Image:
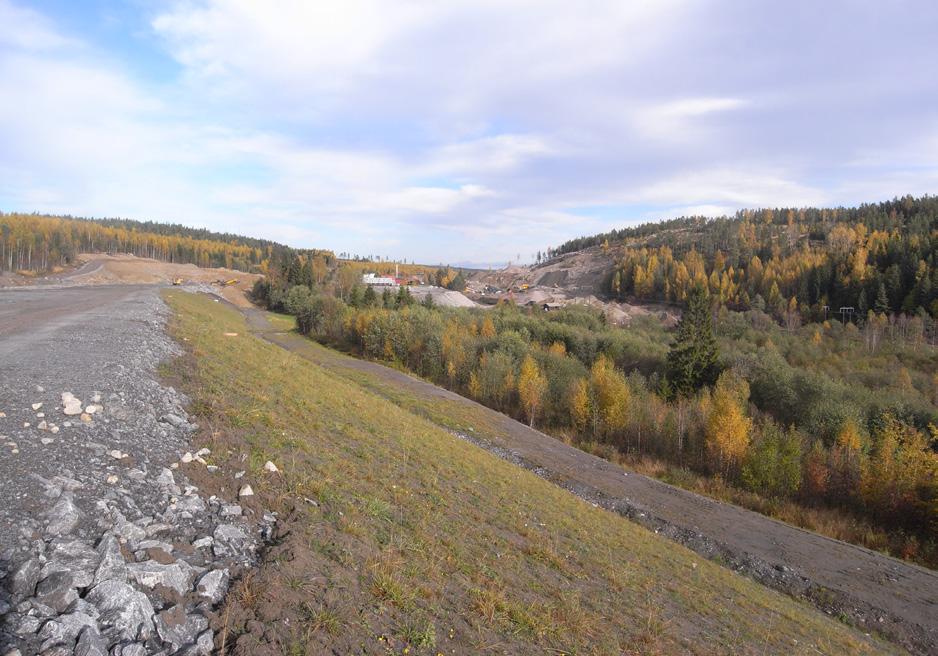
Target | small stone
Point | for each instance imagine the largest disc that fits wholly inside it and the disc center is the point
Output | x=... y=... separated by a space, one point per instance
x=93 y=408
x=271 y=467
x=211 y=468
x=42 y=425
x=25 y=424
x=40 y=389
x=246 y=491
x=72 y=408
x=116 y=454
x=203 y=452
x=213 y=585
x=112 y=479
x=175 y=465
x=36 y=406
x=53 y=429
x=230 y=510
x=187 y=458
x=2 y=415
x=46 y=441
x=96 y=397
x=85 y=417
x=63 y=516
x=203 y=543
x=40 y=415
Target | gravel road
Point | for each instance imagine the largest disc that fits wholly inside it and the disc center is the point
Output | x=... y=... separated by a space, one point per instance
x=107 y=548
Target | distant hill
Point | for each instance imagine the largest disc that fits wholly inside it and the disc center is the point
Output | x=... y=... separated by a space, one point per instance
x=881 y=257
x=37 y=242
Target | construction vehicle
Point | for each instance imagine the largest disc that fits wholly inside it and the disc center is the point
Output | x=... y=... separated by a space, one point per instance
x=177 y=281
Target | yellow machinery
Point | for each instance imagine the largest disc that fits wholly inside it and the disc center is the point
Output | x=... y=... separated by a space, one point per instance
x=177 y=281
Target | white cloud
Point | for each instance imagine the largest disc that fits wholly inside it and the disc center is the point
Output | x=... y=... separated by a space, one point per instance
x=468 y=129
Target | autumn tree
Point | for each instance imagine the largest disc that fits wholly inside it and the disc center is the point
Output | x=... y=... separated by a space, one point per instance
x=610 y=397
x=728 y=427
x=531 y=388
x=692 y=360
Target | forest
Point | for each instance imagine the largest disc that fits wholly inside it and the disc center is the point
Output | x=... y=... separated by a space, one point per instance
x=828 y=424
x=34 y=242
x=797 y=264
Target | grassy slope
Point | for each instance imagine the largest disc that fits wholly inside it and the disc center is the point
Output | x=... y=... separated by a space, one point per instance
x=424 y=543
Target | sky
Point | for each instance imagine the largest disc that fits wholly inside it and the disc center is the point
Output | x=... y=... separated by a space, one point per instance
x=465 y=130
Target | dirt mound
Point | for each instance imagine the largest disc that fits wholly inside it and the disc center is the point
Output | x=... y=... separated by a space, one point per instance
x=100 y=269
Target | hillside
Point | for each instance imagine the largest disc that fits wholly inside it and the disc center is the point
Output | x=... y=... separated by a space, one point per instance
x=397 y=537
x=38 y=243
x=809 y=262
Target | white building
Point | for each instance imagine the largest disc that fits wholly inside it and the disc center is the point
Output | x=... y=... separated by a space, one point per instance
x=376 y=281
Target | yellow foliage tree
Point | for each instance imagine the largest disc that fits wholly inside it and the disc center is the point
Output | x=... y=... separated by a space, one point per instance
x=611 y=397
x=488 y=328
x=580 y=404
x=531 y=388
x=728 y=427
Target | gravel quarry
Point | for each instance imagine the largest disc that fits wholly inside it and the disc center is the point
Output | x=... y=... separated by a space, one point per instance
x=107 y=547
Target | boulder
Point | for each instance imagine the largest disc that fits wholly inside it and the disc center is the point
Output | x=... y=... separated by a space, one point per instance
x=122 y=607
x=179 y=629
x=24 y=578
x=177 y=576
x=90 y=643
x=57 y=591
x=112 y=566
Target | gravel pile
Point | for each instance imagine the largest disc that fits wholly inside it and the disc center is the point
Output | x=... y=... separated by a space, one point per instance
x=110 y=549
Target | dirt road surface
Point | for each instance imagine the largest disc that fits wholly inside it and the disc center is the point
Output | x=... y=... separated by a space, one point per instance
x=869 y=589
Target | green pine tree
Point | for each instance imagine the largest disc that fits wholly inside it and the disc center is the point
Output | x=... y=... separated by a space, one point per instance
x=692 y=361
x=881 y=306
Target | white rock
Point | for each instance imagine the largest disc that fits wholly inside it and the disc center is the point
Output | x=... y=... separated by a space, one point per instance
x=200 y=460
x=53 y=428
x=36 y=406
x=46 y=441
x=25 y=424
x=175 y=465
x=271 y=467
x=85 y=417
x=2 y=415
x=116 y=454
x=91 y=409
x=246 y=491
x=203 y=452
x=186 y=458
x=112 y=479
x=239 y=474
x=40 y=388
x=40 y=415
x=73 y=408
x=42 y=425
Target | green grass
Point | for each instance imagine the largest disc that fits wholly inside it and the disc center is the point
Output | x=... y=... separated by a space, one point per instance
x=423 y=542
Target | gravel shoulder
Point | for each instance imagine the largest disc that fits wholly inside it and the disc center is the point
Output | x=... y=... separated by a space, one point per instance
x=107 y=547
x=868 y=589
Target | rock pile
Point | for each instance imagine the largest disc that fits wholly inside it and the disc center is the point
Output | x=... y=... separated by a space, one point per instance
x=146 y=586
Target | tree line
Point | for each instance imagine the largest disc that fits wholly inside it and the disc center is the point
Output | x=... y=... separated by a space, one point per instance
x=34 y=242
